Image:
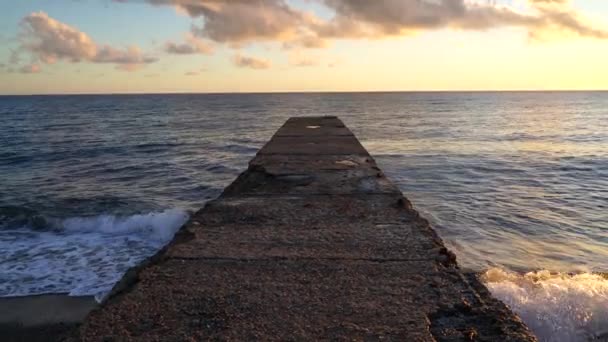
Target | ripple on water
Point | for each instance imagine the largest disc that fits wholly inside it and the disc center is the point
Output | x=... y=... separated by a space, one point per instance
x=511 y=180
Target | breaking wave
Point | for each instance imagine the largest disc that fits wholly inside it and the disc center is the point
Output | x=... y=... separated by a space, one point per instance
x=81 y=256
x=557 y=307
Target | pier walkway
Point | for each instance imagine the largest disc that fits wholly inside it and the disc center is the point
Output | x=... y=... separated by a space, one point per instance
x=312 y=242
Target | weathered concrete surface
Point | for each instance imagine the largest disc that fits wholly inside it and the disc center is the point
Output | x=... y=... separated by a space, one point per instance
x=312 y=242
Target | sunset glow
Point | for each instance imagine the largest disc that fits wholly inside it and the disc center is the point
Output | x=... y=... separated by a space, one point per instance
x=306 y=45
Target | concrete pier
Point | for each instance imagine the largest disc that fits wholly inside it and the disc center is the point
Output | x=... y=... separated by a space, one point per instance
x=312 y=242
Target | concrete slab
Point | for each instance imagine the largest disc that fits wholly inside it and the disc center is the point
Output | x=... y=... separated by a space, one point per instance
x=320 y=121
x=278 y=164
x=389 y=242
x=355 y=181
x=291 y=300
x=301 y=210
x=299 y=128
x=312 y=242
x=314 y=145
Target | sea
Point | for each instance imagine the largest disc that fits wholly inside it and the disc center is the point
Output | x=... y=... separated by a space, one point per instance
x=515 y=183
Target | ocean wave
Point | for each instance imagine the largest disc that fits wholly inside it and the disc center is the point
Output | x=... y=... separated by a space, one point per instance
x=157 y=226
x=12 y=217
x=557 y=307
x=82 y=256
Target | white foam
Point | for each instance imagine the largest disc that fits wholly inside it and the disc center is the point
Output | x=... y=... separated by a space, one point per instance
x=158 y=227
x=87 y=257
x=556 y=306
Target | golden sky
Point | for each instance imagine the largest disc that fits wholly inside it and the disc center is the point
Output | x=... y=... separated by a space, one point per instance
x=308 y=45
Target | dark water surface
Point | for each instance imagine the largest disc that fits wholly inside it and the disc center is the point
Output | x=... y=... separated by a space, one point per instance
x=513 y=182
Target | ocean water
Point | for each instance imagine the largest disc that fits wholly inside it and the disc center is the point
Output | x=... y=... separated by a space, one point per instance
x=515 y=183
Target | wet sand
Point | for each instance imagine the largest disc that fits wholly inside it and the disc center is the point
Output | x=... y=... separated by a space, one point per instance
x=42 y=317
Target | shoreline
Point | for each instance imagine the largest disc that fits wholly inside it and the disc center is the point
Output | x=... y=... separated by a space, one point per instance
x=53 y=316
x=56 y=317
x=45 y=317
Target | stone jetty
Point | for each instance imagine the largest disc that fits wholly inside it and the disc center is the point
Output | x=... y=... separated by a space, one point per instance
x=312 y=242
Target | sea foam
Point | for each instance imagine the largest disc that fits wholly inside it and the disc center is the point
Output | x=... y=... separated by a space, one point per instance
x=81 y=256
x=557 y=307
x=156 y=227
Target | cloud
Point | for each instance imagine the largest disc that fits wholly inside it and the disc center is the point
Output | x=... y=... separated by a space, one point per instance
x=239 y=21
x=130 y=59
x=305 y=63
x=298 y=59
x=560 y=2
x=30 y=69
x=51 y=40
x=196 y=72
x=14 y=57
x=192 y=45
x=310 y=41
x=559 y=17
x=245 y=21
x=377 y=19
x=250 y=62
x=48 y=41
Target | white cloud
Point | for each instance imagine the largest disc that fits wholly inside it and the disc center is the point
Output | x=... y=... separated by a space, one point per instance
x=374 y=19
x=251 y=62
x=240 y=21
x=48 y=40
x=192 y=45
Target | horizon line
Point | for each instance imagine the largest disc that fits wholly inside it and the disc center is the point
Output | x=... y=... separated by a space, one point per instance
x=314 y=92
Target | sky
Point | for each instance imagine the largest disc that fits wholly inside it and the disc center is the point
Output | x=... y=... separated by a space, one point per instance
x=166 y=46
